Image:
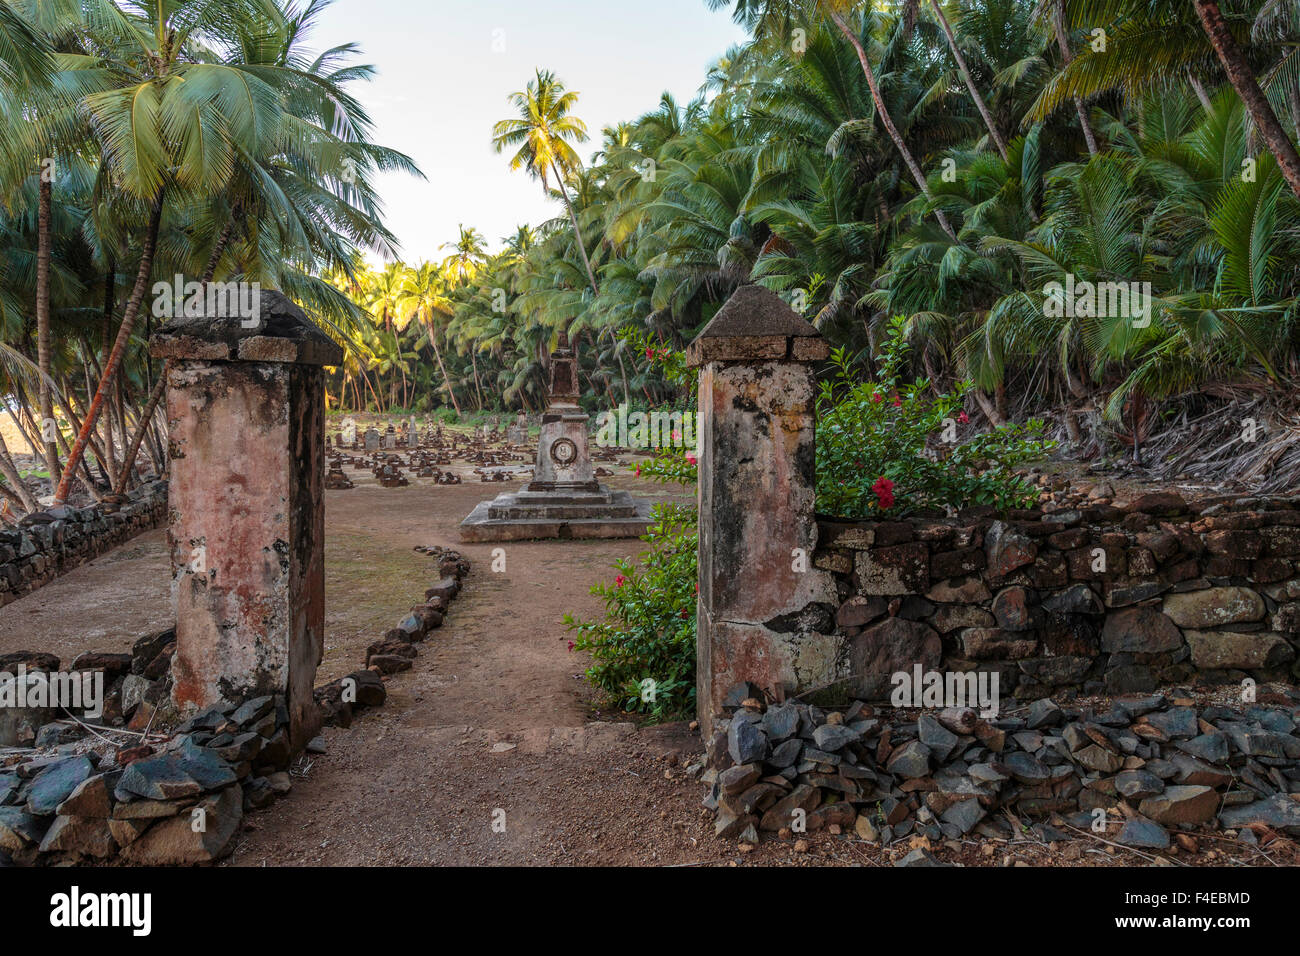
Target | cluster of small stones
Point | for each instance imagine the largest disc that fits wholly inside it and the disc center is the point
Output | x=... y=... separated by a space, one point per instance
x=1158 y=768
x=1085 y=591
x=45 y=544
x=173 y=797
x=396 y=650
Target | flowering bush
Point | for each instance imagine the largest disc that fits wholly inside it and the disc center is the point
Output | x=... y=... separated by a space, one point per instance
x=643 y=652
x=888 y=445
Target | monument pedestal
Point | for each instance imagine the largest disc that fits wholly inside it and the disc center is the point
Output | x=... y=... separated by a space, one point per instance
x=563 y=500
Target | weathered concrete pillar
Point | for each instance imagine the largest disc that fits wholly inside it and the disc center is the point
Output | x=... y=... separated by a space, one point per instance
x=246 y=421
x=762 y=606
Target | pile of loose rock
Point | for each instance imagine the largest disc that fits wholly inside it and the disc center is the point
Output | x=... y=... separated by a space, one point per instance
x=1147 y=766
x=396 y=650
x=163 y=802
x=137 y=689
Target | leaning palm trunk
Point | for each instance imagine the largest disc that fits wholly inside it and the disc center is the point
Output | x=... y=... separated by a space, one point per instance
x=1066 y=56
x=142 y=426
x=442 y=368
x=970 y=82
x=577 y=231
x=146 y=417
x=1243 y=81
x=16 y=483
x=888 y=122
x=119 y=349
x=45 y=395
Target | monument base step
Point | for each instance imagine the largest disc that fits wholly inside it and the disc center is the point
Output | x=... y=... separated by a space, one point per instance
x=481 y=526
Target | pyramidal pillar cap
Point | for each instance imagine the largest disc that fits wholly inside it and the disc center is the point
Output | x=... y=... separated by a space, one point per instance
x=278 y=332
x=755 y=325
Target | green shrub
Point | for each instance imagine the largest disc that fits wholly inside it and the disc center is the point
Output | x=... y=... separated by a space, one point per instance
x=643 y=652
x=881 y=444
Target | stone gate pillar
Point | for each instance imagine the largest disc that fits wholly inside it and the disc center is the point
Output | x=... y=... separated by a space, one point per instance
x=758 y=589
x=246 y=423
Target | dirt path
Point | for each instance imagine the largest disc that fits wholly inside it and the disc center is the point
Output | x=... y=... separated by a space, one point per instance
x=494 y=716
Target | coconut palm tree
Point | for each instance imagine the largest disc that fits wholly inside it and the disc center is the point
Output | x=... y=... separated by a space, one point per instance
x=422 y=295
x=541 y=134
x=776 y=17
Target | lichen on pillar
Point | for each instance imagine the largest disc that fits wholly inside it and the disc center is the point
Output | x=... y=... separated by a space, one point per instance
x=764 y=610
x=246 y=426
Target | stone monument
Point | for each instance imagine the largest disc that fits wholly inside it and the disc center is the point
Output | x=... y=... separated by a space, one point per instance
x=564 y=499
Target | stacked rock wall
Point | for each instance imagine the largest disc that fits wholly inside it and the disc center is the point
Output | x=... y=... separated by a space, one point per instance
x=1110 y=596
x=49 y=543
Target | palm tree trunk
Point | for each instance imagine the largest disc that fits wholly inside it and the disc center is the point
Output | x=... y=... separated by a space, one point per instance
x=10 y=471
x=1063 y=43
x=222 y=241
x=478 y=389
x=43 y=257
x=1243 y=81
x=577 y=232
x=970 y=82
x=622 y=369
x=119 y=348
x=155 y=396
x=146 y=418
x=888 y=121
x=437 y=352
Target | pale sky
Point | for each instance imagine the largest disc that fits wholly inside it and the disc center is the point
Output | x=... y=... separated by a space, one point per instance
x=441 y=86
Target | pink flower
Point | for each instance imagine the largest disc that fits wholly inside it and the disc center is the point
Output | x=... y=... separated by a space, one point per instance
x=685 y=614
x=876 y=397
x=619 y=581
x=649 y=351
x=963 y=418
x=691 y=459
x=572 y=645
x=638 y=471
x=884 y=489
x=898 y=402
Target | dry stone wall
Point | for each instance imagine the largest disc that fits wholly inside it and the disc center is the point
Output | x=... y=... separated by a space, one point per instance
x=1112 y=596
x=49 y=543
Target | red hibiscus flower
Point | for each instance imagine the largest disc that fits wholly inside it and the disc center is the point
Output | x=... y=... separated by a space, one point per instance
x=884 y=489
